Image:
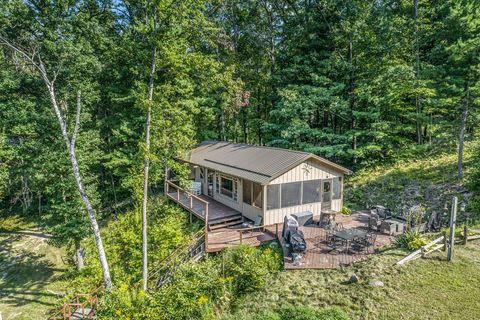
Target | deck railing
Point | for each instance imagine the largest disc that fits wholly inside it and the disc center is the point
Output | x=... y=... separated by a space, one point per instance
x=253 y=228
x=166 y=268
x=189 y=207
x=79 y=302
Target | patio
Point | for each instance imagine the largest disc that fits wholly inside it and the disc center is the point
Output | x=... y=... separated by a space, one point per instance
x=319 y=255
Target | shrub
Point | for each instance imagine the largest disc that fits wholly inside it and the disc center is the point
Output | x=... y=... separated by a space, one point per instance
x=346 y=211
x=249 y=267
x=411 y=240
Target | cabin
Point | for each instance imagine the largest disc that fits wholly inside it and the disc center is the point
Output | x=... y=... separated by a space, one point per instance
x=264 y=181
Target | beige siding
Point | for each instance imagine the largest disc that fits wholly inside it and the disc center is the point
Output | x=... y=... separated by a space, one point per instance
x=310 y=170
x=277 y=215
x=251 y=212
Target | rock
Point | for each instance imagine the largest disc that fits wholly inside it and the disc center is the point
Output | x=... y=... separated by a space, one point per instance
x=354 y=278
x=376 y=283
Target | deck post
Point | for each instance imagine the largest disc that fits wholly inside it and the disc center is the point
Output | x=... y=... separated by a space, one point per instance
x=178 y=195
x=191 y=202
x=206 y=226
x=241 y=237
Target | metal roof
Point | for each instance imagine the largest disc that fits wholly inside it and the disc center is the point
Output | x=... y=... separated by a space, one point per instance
x=256 y=163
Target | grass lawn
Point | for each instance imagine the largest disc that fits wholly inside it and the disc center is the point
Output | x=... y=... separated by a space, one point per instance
x=29 y=267
x=428 y=288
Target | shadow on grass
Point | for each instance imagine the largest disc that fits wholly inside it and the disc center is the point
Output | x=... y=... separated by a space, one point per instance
x=24 y=272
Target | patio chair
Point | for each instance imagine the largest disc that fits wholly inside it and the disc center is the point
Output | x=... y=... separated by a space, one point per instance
x=364 y=243
x=257 y=223
x=371 y=239
x=338 y=226
x=374 y=222
x=333 y=242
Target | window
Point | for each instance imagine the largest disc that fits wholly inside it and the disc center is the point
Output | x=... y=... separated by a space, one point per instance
x=247 y=192
x=326 y=193
x=257 y=195
x=273 y=196
x=311 y=191
x=337 y=188
x=210 y=183
x=252 y=193
x=226 y=187
x=291 y=194
x=235 y=189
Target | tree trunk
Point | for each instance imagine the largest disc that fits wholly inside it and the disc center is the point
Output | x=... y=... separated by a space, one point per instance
x=461 y=139
x=418 y=106
x=146 y=165
x=76 y=172
x=79 y=255
x=70 y=143
x=352 y=96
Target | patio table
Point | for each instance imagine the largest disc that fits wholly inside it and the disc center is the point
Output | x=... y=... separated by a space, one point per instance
x=349 y=235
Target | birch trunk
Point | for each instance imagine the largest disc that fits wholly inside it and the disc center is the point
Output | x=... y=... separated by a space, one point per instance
x=461 y=140
x=146 y=164
x=79 y=256
x=37 y=62
x=78 y=179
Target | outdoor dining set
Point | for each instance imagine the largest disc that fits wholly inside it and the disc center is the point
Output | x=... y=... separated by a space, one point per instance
x=350 y=241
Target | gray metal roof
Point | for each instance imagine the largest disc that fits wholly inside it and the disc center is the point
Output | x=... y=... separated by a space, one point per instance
x=255 y=163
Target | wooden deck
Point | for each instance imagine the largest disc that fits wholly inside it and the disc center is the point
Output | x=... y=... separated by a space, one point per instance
x=229 y=237
x=216 y=210
x=222 y=223
x=319 y=255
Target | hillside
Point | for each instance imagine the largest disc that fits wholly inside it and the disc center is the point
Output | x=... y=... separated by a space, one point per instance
x=30 y=271
x=430 y=181
x=408 y=292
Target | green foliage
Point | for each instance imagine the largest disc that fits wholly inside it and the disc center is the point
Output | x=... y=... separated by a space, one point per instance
x=346 y=211
x=168 y=228
x=199 y=289
x=303 y=313
x=260 y=264
x=411 y=240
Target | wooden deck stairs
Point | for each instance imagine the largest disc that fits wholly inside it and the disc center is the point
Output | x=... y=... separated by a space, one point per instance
x=231 y=220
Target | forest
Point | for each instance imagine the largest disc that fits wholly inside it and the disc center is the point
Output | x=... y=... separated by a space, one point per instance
x=97 y=98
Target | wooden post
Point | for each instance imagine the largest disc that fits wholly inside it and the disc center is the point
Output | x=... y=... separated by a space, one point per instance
x=276 y=229
x=191 y=202
x=453 y=219
x=465 y=233
x=190 y=217
x=178 y=194
x=445 y=242
x=241 y=237
x=206 y=226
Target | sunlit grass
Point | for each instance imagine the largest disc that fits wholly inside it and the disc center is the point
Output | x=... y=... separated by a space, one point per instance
x=29 y=268
x=423 y=289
